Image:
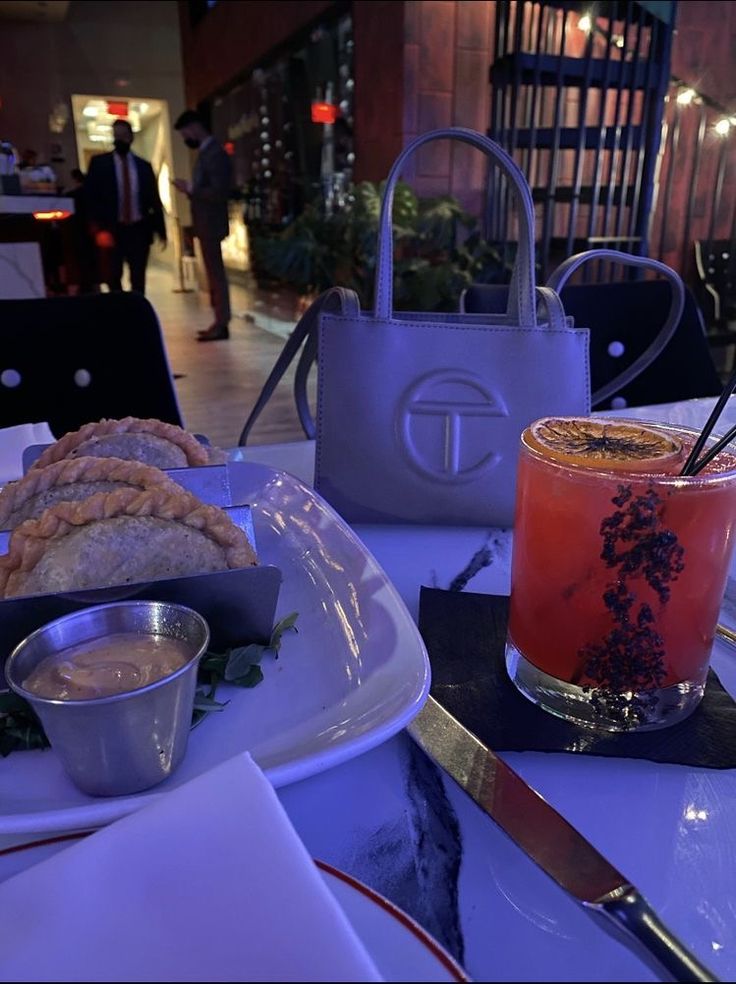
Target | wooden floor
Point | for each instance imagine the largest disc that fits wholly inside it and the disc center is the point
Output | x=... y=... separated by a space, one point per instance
x=220 y=380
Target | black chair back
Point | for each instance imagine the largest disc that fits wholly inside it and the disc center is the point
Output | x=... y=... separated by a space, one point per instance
x=71 y=360
x=715 y=263
x=622 y=318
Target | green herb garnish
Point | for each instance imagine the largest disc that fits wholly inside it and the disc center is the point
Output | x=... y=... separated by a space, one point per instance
x=21 y=730
x=19 y=726
x=239 y=666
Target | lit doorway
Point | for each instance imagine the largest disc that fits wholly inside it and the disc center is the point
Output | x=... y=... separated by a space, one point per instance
x=149 y=118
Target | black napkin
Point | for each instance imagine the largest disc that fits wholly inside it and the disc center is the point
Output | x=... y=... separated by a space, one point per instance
x=465 y=635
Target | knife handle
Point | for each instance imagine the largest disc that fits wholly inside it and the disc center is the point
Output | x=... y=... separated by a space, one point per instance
x=630 y=910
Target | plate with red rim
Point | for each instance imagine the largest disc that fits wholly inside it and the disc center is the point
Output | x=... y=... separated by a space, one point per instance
x=353 y=675
x=399 y=947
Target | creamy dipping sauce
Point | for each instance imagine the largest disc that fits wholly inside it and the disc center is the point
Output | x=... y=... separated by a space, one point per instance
x=111 y=665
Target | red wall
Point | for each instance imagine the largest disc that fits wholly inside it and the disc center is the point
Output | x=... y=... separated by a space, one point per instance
x=417 y=65
x=704 y=48
x=421 y=64
x=378 y=28
x=702 y=56
x=233 y=36
x=447 y=55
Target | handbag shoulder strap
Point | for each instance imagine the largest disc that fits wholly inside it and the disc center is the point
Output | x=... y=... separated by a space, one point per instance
x=336 y=299
x=565 y=270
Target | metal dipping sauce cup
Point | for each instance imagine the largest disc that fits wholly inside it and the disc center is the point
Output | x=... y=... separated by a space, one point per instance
x=113 y=746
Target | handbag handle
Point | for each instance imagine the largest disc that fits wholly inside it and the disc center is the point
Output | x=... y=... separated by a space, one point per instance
x=521 y=309
x=556 y=319
x=565 y=270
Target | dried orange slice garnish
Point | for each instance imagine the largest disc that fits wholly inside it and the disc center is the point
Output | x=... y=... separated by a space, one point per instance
x=612 y=445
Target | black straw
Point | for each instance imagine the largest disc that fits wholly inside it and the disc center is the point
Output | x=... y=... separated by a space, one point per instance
x=690 y=468
x=716 y=449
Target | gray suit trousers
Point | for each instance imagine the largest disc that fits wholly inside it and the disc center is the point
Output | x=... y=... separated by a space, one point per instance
x=216 y=278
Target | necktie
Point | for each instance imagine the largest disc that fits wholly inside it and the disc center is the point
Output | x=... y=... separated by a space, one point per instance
x=127 y=210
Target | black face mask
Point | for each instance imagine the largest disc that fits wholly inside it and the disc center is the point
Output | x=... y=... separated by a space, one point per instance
x=121 y=146
x=192 y=142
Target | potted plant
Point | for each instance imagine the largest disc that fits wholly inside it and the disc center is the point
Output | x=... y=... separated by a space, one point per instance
x=438 y=250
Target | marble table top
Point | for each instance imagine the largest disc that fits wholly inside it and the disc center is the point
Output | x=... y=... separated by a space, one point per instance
x=26 y=204
x=392 y=819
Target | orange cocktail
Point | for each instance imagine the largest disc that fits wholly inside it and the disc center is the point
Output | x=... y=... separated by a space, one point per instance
x=619 y=568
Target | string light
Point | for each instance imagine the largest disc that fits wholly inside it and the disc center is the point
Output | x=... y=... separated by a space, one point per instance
x=589 y=24
x=687 y=96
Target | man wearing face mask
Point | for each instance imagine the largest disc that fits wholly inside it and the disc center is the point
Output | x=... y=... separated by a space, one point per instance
x=124 y=209
x=208 y=194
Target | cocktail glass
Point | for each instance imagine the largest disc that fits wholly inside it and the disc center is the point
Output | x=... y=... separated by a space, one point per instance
x=617 y=581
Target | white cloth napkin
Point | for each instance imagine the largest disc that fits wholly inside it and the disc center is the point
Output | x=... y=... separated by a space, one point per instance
x=13 y=441
x=209 y=882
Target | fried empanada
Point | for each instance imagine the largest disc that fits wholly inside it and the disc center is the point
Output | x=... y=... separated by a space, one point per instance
x=120 y=537
x=151 y=442
x=70 y=480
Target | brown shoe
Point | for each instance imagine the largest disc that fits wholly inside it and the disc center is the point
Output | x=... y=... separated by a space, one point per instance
x=214 y=335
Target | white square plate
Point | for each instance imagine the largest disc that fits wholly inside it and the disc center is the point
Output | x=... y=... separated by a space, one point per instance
x=355 y=673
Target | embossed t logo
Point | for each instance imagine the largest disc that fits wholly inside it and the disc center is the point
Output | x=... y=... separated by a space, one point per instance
x=471 y=399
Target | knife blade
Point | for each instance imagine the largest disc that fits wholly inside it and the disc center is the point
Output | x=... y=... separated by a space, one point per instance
x=548 y=839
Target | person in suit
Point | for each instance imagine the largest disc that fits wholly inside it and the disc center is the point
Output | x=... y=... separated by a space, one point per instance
x=124 y=209
x=208 y=194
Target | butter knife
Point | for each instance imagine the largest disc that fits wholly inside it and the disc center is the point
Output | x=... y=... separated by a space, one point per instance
x=549 y=840
x=725 y=633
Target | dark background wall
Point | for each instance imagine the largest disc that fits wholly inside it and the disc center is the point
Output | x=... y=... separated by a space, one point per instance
x=232 y=38
x=704 y=56
x=378 y=27
x=128 y=49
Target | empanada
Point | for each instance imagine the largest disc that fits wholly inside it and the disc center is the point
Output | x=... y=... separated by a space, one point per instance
x=70 y=480
x=119 y=537
x=149 y=441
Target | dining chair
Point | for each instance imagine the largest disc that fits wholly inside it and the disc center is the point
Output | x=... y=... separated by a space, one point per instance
x=71 y=360
x=715 y=263
x=623 y=318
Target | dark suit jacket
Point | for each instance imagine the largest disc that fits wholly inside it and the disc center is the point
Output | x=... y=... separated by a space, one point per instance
x=101 y=192
x=211 y=185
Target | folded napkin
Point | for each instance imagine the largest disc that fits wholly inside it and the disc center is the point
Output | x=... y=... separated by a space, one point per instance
x=13 y=441
x=209 y=882
x=465 y=636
